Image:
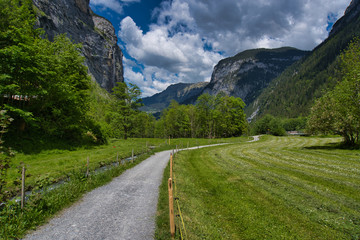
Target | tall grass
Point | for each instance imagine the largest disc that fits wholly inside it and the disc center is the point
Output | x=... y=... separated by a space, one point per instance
x=277 y=188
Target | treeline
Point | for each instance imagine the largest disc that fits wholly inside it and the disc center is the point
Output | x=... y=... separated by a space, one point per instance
x=211 y=117
x=277 y=126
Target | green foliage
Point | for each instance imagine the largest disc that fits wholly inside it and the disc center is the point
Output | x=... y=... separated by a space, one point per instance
x=293 y=93
x=269 y=125
x=125 y=109
x=211 y=117
x=44 y=85
x=294 y=124
x=5 y=153
x=338 y=111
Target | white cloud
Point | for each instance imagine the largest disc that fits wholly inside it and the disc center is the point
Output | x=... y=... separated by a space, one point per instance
x=184 y=44
x=168 y=57
x=115 y=5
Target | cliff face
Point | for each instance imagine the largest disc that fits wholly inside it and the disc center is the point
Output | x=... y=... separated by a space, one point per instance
x=351 y=13
x=96 y=34
x=247 y=73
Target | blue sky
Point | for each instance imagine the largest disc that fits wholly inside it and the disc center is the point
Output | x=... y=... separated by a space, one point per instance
x=171 y=41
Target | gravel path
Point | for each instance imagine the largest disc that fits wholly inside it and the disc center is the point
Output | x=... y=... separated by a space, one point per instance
x=122 y=209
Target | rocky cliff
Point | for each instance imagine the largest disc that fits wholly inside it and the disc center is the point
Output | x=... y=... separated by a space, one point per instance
x=247 y=73
x=103 y=56
x=352 y=11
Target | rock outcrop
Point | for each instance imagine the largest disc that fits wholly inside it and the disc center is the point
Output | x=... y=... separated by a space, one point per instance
x=246 y=74
x=351 y=12
x=103 y=56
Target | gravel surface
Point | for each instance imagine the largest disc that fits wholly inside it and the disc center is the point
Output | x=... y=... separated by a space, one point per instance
x=122 y=209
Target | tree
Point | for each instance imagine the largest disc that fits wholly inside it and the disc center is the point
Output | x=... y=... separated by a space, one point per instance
x=205 y=106
x=212 y=116
x=126 y=106
x=269 y=125
x=43 y=84
x=230 y=116
x=338 y=111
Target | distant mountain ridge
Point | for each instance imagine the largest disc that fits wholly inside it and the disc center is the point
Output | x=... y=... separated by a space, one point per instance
x=243 y=75
x=180 y=92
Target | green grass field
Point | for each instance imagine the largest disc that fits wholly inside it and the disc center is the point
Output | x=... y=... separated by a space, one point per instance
x=276 y=188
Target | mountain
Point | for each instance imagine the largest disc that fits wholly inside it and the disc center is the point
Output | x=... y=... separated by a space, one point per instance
x=103 y=56
x=243 y=75
x=293 y=93
x=182 y=93
x=247 y=73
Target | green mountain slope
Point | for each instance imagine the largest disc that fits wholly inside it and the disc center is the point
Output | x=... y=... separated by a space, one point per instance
x=294 y=91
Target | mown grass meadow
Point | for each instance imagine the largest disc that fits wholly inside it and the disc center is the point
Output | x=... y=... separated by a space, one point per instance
x=276 y=188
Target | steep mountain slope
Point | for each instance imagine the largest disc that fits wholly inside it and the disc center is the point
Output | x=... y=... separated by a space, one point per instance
x=294 y=91
x=247 y=73
x=95 y=33
x=181 y=92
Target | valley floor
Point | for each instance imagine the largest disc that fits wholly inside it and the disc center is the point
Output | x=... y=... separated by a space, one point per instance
x=275 y=188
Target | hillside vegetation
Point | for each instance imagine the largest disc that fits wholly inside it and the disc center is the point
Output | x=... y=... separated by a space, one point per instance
x=293 y=93
x=276 y=188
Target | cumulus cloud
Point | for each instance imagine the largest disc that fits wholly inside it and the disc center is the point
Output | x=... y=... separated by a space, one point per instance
x=115 y=5
x=191 y=36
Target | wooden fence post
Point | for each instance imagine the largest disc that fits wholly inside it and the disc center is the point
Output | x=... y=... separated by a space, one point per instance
x=23 y=188
x=171 y=165
x=87 y=166
x=171 y=208
x=132 y=155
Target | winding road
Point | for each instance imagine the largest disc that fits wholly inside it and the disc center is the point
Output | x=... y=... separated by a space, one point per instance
x=123 y=209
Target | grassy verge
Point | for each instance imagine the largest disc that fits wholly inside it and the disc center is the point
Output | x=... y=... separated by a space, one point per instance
x=277 y=188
